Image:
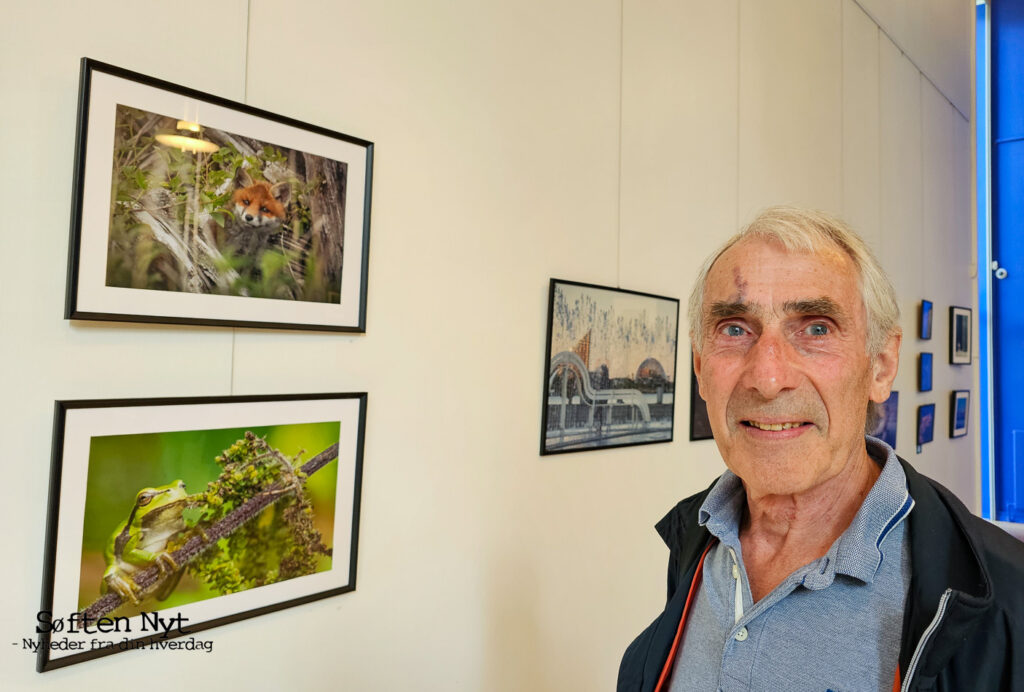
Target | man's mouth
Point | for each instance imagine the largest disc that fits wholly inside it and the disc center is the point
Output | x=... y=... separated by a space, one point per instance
x=773 y=427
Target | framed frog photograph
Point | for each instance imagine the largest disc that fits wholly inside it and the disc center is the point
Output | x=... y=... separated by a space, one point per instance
x=197 y=512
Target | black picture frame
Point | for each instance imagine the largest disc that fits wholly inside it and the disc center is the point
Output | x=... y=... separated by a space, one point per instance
x=110 y=453
x=625 y=395
x=925 y=367
x=886 y=416
x=959 y=412
x=269 y=227
x=925 y=423
x=960 y=349
x=924 y=320
x=700 y=424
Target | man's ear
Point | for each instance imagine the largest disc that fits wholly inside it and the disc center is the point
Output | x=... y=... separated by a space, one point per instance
x=884 y=367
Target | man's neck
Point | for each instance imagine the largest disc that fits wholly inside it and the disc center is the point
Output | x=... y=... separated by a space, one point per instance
x=781 y=533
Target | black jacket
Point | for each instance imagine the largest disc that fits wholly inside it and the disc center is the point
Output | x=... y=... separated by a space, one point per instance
x=960 y=564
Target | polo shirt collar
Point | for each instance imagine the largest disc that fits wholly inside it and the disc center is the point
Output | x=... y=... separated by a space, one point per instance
x=723 y=509
x=859 y=549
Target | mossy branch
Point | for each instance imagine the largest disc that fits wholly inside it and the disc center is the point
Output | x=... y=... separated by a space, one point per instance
x=196 y=545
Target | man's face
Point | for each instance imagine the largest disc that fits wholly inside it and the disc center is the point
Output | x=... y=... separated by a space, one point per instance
x=784 y=366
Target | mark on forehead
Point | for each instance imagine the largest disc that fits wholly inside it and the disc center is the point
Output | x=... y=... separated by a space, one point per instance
x=740 y=283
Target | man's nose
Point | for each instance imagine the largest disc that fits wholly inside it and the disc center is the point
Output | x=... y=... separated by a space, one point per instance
x=770 y=368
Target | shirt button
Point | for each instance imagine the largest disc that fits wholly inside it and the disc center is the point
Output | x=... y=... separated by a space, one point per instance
x=741 y=636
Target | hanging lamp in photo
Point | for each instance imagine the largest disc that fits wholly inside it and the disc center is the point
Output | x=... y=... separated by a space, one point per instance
x=187 y=137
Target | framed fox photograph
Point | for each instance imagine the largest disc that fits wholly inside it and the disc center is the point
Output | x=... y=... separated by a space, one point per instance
x=199 y=511
x=610 y=371
x=192 y=209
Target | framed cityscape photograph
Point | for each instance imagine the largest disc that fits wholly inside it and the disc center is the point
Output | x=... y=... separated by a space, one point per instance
x=959 y=407
x=925 y=423
x=188 y=208
x=924 y=372
x=200 y=511
x=925 y=320
x=959 y=335
x=610 y=368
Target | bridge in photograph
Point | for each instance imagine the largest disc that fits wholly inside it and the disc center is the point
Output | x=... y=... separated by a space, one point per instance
x=581 y=415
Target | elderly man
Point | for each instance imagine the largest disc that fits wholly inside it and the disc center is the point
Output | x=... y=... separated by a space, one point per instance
x=819 y=560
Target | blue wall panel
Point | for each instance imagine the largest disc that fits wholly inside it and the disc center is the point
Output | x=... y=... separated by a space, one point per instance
x=984 y=255
x=1007 y=133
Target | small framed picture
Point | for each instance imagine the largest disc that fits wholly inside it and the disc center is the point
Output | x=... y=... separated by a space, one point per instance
x=959 y=335
x=925 y=320
x=884 y=427
x=199 y=511
x=960 y=404
x=188 y=208
x=700 y=424
x=610 y=371
x=924 y=372
x=925 y=423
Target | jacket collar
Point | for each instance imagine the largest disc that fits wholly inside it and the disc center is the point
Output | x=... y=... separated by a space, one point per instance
x=944 y=554
x=686 y=540
x=681 y=531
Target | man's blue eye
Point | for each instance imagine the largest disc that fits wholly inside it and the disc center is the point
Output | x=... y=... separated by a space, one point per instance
x=817 y=330
x=733 y=330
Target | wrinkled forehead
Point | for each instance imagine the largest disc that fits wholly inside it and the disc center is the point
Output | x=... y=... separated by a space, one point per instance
x=765 y=272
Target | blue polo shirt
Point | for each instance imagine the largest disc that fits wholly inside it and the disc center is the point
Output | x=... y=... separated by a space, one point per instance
x=833 y=624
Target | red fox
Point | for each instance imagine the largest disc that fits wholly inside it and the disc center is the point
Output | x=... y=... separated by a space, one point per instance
x=258 y=210
x=257 y=233
x=259 y=204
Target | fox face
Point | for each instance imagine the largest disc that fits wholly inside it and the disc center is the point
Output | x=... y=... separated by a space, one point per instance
x=259 y=204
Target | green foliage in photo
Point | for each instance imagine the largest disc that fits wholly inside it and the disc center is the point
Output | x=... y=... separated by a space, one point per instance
x=266 y=548
x=172 y=210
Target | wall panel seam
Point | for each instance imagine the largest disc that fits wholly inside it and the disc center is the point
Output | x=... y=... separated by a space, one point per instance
x=618 y=208
x=909 y=57
x=739 y=108
x=842 y=110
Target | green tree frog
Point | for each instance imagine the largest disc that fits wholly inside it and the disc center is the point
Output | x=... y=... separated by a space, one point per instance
x=141 y=540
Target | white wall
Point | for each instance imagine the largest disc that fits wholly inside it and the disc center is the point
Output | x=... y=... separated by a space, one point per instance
x=608 y=142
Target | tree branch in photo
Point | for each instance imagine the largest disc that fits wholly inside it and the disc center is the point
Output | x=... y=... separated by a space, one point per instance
x=148 y=578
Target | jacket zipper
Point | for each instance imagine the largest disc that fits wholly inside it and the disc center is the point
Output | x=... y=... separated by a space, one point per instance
x=934 y=625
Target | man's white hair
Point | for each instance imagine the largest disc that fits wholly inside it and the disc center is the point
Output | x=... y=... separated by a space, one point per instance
x=805 y=230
